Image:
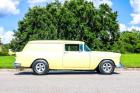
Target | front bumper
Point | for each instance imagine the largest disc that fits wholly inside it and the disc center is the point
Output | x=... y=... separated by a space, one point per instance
x=119 y=65
x=17 y=65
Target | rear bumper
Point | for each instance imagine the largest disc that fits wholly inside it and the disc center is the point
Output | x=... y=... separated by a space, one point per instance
x=17 y=65
x=119 y=65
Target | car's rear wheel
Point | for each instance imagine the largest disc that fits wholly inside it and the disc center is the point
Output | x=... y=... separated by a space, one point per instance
x=106 y=67
x=40 y=67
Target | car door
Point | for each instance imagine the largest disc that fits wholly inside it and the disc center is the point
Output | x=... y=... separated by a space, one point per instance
x=75 y=57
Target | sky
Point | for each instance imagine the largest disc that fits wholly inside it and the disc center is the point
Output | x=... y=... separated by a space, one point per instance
x=11 y=11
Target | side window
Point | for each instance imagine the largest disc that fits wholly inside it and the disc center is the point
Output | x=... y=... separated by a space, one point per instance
x=72 y=47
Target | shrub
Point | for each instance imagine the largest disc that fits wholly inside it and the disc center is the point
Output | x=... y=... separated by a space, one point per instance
x=4 y=54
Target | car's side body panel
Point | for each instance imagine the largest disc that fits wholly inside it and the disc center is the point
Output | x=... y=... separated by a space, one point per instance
x=76 y=60
x=56 y=56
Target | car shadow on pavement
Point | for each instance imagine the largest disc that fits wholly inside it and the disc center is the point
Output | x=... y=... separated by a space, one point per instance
x=64 y=73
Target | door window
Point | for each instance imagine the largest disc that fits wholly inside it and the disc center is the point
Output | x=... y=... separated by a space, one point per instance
x=73 y=47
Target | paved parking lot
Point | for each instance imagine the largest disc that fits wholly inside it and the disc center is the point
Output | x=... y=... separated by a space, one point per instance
x=122 y=81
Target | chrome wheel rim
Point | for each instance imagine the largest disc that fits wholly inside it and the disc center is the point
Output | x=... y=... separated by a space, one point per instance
x=107 y=67
x=40 y=67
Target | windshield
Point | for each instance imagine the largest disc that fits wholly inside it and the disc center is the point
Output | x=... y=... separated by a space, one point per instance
x=86 y=48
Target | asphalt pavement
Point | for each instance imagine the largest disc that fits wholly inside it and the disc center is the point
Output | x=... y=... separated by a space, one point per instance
x=122 y=81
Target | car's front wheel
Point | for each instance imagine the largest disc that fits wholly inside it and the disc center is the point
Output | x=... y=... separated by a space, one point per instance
x=106 y=67
x=40 y=67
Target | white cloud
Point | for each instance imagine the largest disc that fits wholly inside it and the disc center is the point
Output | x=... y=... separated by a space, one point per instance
x=98 y=2
x=136 y=18
x=43 y=2
x=38 y=2
x=6 y=36
x=123 y=27
x=135 y=4
x=8 y=7
x=133 y=27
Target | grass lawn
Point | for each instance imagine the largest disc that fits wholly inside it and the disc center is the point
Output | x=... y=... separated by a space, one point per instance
x=6 y=61
x=128 y=60
x=131 y=60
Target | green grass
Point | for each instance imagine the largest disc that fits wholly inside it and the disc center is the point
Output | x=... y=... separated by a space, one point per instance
x=131 y=60
x=6 y=61
x=128 y=60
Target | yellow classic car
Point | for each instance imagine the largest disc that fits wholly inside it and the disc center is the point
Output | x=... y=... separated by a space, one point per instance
x=45 y=55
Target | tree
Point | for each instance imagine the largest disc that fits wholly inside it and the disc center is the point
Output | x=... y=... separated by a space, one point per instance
x=73 y=20
x=129 y=42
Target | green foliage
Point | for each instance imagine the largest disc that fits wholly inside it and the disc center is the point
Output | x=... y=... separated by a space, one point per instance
x=73 y=20
x=5 y=49
x=129 y=42
x=3 y=54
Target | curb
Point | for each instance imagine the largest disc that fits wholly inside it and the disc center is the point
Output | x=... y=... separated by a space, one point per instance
x=128 y=69
x=117 y=69
x=15 y=70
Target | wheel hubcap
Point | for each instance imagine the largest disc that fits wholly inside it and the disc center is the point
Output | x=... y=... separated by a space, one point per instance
x=40 y=67
x=107 y=67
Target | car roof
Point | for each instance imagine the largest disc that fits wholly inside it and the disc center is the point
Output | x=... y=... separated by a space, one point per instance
x=56 y=42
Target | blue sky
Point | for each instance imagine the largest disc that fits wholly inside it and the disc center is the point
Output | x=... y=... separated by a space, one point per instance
x=11 y=11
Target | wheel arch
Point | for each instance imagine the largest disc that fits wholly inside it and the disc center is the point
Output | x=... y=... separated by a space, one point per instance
x=103 y=61
x=38 y=59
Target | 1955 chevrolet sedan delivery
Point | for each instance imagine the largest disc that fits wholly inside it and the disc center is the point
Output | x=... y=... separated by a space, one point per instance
x=45 y=55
